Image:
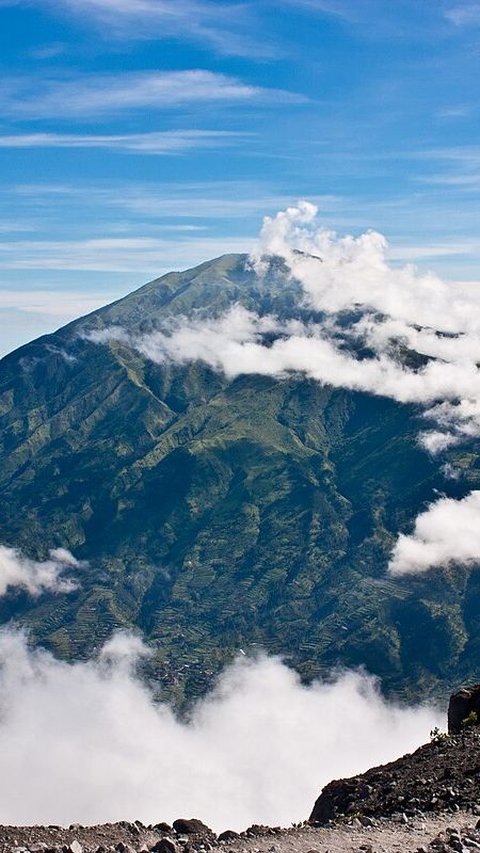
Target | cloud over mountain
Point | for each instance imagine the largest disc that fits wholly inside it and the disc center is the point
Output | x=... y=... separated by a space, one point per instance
x=400 y=310
x=447 y=532
x=35 y=576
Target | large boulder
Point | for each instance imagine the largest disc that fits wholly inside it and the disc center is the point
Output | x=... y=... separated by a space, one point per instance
x=463 y=704
x=192 y=826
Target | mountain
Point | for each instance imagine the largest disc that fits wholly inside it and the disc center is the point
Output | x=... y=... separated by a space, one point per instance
x=216 y=514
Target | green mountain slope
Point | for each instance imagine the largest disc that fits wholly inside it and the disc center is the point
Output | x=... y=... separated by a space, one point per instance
x=218 y=514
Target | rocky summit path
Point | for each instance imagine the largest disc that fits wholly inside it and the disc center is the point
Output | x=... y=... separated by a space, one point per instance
x=439 y=833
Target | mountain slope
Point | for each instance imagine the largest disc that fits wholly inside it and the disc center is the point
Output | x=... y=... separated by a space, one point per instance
x=217 y=513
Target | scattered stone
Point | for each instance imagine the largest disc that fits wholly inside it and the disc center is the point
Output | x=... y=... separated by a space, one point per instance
x=165 y=845
x=124 y=848
x=73 y=847
x=367 y=821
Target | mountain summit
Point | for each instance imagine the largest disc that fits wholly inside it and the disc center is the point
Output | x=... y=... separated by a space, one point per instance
x=216 y=513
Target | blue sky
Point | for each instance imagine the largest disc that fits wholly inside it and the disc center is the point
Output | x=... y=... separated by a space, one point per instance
x=137 y=136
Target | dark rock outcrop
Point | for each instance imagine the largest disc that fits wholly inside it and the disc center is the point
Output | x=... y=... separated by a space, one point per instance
x=463 y=704
x=192 y=826
x=228 y=835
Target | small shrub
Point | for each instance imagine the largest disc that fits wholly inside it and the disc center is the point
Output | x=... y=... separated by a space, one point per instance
x=437 y=736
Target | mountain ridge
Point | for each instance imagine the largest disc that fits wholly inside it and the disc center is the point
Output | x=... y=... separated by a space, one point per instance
x=217 y=513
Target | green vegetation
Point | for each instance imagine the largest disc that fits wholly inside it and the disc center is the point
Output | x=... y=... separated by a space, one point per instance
x=437 y=736
x=222 y=514
x=470 y=720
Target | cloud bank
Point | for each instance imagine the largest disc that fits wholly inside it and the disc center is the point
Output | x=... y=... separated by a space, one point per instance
x=257 y=749
x=35 y=577
x=447 y=532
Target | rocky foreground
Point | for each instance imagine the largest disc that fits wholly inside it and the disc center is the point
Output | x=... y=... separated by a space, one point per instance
x=439 y=833
x=443 y=775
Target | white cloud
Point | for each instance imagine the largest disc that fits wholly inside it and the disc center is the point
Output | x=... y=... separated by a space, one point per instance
x=35 y=577
x=400 y=310
x=447 y=532
x=234 y=343
x=355 y=271
x=90 y=95
x=161 y=143
x=252 y=751
x=436 y=442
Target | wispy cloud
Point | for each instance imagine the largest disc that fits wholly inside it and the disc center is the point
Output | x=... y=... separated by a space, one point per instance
x=34 y=576
x=460 y=164
x=56 y=303
x=466 y=155
x=409 y=252
x=216 y=199
x=90 y=95
x=464 y=14
x=161 y=143
x=139 y=255
x=376 y=18
x=226 y=27
x=339 y=8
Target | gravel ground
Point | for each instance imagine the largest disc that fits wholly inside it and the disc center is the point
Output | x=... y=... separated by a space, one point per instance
x=437 y=833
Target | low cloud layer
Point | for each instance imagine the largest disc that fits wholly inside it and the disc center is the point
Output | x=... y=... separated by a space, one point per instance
x=447 y=532
x=258 y=749
x=35 y=577
x=236 y=343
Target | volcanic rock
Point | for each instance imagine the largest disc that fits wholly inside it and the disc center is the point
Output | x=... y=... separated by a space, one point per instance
x=463 y=704
x=193 y=826
x=443 y=775
x=165 y=845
